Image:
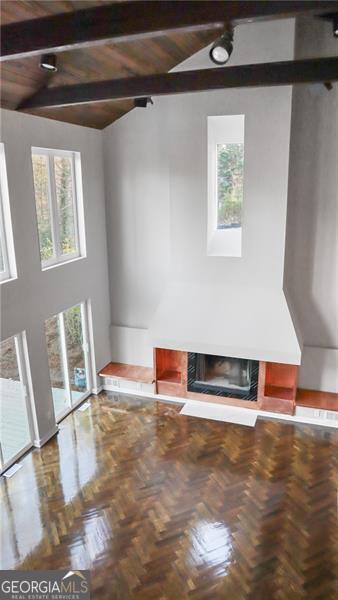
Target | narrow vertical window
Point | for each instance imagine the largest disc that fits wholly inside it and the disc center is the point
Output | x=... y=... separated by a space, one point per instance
x=58 y=205
x=65 y=194
x=225 y=185
x=7 y=258
x=230 y=162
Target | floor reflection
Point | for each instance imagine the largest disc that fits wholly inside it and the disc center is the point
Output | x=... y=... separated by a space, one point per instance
x=20 y=498
x=14 y=425
x=211 y=545
x=162 y=506
x=77 y=454
x=28 y=497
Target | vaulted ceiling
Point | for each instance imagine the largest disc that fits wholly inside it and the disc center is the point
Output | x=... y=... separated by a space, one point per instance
x=124 y=49
x=22 y=77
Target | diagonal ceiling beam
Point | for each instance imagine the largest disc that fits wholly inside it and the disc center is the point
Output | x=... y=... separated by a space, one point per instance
x=123 y=21
x=262 y=74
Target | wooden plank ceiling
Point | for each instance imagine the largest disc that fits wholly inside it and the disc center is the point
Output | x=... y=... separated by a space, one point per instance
x=23 y=77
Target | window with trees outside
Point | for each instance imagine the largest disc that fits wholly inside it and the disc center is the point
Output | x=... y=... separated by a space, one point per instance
x=7 y=259
x=225 y=184
x=57 y=187
x=68 y=348
x=230 y=162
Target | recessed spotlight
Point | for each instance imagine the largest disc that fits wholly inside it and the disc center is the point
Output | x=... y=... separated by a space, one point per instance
x=221 y=50
x=48 y=63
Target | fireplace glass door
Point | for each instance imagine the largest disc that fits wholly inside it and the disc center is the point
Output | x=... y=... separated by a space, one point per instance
x=223 y=376
x=221 y=371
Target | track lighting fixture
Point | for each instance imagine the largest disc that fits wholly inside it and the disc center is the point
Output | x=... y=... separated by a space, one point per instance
x=48 y=63
x=221 y=50
x=142 y=102
x=333 y=17
x=335 y=25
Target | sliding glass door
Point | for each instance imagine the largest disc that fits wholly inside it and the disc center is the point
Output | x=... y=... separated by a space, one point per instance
x=15 y=410
x=56 y=360
x=75 y=324
x=68 y=356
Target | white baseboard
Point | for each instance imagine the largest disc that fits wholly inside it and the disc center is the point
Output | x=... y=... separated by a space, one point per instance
x=306 y=416
x=42 y=441
x=97 y=390
x=319 y=369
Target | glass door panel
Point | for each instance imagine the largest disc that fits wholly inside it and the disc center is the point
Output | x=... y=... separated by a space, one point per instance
x=58 y=377
x=74 y=333
x=68 y=356
x=15 y=432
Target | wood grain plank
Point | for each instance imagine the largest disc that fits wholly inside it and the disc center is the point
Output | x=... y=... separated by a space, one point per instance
x=162 y=506
x=316 y=399
x=124 y=371
x=182 y=82
x=121 y=21
x=21 y=78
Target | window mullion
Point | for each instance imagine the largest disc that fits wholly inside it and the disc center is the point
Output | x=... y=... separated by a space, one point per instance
x=3 y=241
x=64 y=356
x=215 y=166
x=75 y=206
x=20 y=364
x=54 y=209
x=6 y=234
x=85 y=343
x=1 y=458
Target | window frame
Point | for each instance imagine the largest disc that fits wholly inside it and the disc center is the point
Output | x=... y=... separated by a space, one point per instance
x=22 y=358
x=5 y=274
x=79 y=231
x=6 y=232
x=223 y=129
x=87 y=348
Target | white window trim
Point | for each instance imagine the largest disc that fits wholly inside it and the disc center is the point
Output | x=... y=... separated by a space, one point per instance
x=5 y=274
x=227 y=129
x=79 y=229
x=7 y=245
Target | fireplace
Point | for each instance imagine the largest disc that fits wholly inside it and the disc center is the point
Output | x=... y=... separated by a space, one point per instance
x=223 y=376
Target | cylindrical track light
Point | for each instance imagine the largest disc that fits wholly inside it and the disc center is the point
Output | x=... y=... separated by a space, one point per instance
x=221 y=50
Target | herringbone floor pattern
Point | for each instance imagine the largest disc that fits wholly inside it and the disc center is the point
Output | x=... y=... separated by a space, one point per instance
x=165 y=507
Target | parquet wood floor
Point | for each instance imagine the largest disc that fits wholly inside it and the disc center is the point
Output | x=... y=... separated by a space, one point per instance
x=164 y=507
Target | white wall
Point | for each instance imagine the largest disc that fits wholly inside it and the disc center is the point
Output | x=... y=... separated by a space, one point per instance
x=29 y=300
x=311 y=272
x=156 y=186
x=156 y=183
x=131 y=346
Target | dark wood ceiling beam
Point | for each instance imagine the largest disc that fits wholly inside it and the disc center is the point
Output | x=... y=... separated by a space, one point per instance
x=256 y=75
x=127 y=20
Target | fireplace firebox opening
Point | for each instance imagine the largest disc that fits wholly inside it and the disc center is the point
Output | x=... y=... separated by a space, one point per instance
x=223 y=376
